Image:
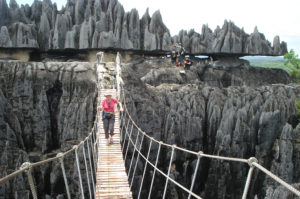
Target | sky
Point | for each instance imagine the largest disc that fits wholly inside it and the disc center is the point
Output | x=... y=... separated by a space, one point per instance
x=272 y=17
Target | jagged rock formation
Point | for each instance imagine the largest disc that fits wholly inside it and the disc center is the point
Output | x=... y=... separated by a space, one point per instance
x=234 y=111
x=223 y=107
x=229 y=40
x=85 y=24
x=45 y=108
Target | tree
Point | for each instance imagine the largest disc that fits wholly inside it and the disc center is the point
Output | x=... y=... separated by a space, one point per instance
x=293 y=63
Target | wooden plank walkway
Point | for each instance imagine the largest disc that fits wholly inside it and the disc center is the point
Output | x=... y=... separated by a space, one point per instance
x=112 y=181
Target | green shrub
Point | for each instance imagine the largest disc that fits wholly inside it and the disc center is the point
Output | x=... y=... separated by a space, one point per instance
x=298 y=107
x=293 y=63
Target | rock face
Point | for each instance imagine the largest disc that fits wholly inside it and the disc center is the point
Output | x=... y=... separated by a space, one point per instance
x=224 y=107
x=229 y=40
x=45 y=108
x=85 y=24
x=234 y=111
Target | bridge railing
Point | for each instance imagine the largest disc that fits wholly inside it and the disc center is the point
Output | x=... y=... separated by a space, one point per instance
x=90 y=160
x=88 y=148
x=127 y=129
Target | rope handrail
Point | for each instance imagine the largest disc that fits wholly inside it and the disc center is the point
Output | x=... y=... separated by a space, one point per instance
x=252 y=161
x=91 y=141
x=42 y=162
x=161 y=172
x=134 y=144
x=180 y=148
x=276 y=178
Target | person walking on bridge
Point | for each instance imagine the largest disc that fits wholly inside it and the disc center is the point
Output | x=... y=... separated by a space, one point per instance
x=108 y=116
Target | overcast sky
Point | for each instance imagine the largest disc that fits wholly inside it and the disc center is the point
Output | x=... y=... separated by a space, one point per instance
x=272 y=17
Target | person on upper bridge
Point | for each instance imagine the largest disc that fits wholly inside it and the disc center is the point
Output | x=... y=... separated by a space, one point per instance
x=108 y=116
x=173 y=57
x=180 y=56
x=187 y=63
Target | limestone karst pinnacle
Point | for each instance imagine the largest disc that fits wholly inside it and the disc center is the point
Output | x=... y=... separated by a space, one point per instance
x=101 y=24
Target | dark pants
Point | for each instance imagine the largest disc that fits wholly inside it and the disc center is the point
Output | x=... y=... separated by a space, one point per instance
x=109 y=126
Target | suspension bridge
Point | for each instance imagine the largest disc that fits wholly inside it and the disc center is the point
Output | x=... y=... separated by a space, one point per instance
x=104 y=174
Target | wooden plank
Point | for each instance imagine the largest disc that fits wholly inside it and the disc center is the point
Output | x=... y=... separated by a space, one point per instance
x=111 y=176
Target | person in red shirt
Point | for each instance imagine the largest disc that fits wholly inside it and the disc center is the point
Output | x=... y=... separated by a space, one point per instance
x=108 y=116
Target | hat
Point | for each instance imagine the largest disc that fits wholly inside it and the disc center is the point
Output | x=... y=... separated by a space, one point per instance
x=107 y=95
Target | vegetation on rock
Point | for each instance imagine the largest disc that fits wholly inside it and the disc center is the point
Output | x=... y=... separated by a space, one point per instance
x=292 y=62
x=298 y=108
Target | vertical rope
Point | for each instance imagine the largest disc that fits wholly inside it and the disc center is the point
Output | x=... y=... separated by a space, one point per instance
x=137 y=138
x=154 y=171
x=86 y=169
x=27 y=165
x=128 y=143
x=170 y=165
x=118 y=74
x=92 y=153
x=250 y=172
x=96 y=145
x=122 y=121
x=125 y=134
x=79 y=173
x=247 y=185
x=136 y=162
x=93 y=141
x=94 y=133
x=96 y=155
x=64 y=173
x=91 y=168
x=31 y=183
x=146 y=163
x=121 y=125
x=126 y=130
x=195 y=174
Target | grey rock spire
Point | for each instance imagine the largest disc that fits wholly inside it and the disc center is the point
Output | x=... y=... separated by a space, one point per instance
x=90 y=23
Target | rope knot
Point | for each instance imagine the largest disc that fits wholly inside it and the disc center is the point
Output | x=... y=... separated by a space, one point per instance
x=81 y=143
x=200 y=153
x=75 y=147
x=60 y=155
x=251 y=161
x=25 y=165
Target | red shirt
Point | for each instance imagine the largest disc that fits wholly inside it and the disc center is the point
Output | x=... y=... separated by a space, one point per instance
x=109 y=107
